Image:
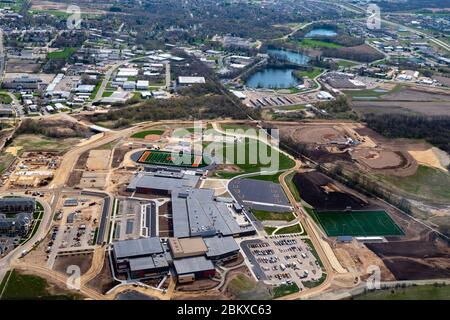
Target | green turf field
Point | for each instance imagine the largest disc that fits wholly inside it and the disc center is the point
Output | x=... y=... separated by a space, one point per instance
x=143 y=134
x=358 y=223
x=164 y=158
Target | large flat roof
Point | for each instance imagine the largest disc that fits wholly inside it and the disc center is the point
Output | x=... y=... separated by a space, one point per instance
x=162 y=180
x=192 y=265
x=196 y=213
x=218 y=246
x=137 y=247
x=191 y=80
x=187 y=246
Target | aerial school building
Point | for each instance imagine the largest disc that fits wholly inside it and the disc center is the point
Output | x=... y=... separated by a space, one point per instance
x=204 y=227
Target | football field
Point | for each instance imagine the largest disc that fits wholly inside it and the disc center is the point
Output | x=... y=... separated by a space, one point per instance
x=358 y=223
x=164 y=158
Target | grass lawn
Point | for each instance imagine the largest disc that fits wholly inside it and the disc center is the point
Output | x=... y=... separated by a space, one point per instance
x=234 y=126
x=31 y=142
x=358 y=223
x=96 y=88
x=245 y=288
x=292 y=229
x=21 y=286
x=239 y=155
x=425 y=292
x=269 y=230
x=107 y=94
x=289 y=179
x=284 y=290
x=143 y=134
x=312 y=284
x=427 y=183
x=4 y=98
x=61 y=55
x=268 y=215
x=311 y=43
x=310 y=74
x=5 y=161
x=346 y=63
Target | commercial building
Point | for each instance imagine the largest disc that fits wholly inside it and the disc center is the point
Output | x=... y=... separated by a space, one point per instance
x=142 y=85
x=129 y=85
x=22 y=83
x=85 y=88
x=188 y=81
x=17 y=205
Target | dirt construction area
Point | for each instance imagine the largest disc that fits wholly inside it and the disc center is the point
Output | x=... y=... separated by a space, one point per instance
x=98 y=160
x=355 y=145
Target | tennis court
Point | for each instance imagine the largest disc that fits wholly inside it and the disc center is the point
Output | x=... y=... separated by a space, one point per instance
x=358 y=223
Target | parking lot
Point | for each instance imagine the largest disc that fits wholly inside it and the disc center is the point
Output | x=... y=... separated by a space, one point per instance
x=250 y=190
x=283 y=259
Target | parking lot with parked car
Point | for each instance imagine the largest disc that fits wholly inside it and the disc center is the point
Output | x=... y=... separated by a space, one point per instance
x=284 y=259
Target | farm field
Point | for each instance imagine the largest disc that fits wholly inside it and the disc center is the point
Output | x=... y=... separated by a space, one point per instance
x=358 y=223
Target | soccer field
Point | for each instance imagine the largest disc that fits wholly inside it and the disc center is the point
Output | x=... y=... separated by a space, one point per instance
x=358 y=223
x=164 y=158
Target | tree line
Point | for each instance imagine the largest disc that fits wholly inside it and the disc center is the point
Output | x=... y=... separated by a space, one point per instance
x=435 y=130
